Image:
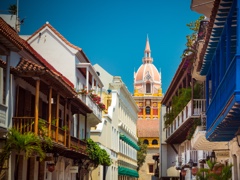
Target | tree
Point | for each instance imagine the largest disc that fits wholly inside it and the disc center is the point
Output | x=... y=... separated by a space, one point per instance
x=191 y=38
x=97 y=155
x=194 y=26
x=141 y=154
x=12 y=9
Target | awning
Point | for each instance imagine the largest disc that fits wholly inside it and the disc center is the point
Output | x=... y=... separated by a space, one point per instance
x=129 y=142
x=123 y=171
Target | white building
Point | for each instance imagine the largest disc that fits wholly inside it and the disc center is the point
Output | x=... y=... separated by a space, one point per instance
x=119 y=123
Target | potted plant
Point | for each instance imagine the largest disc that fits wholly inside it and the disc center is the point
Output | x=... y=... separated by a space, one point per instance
x=95 y=98
x=215 y=171
x=101 y=106
x=83 y=91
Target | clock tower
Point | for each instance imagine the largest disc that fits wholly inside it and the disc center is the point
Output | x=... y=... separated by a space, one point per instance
x=148 y=96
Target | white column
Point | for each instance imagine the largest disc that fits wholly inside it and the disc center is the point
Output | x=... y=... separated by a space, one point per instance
x=87 y=78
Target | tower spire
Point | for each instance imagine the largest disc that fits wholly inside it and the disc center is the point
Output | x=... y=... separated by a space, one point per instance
x=147 y=48
x=147 y=52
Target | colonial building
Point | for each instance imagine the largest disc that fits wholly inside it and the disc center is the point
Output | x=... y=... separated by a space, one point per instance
x=205 y=126
x=217 y=62
x=148 y=96
x=35 y=95
x=117 y=132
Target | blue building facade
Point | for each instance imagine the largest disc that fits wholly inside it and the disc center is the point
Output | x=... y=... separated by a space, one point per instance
x=221 y=66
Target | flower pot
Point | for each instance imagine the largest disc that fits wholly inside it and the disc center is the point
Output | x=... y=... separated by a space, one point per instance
x=218 y=169
x=51 y=167
x=183 y=172
x=194 y=170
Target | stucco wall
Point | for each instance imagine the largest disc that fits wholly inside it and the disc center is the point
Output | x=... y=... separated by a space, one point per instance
x=144 y=172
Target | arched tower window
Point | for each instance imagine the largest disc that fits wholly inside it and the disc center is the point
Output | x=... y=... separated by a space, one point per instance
x=145 y=141
x=148 y=88
x=148 y=110
x=154 y=142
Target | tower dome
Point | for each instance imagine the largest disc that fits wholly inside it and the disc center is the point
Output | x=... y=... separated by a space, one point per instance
x=147 y=79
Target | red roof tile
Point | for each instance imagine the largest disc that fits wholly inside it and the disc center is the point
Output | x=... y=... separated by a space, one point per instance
x=11 y=34
x=148 y=128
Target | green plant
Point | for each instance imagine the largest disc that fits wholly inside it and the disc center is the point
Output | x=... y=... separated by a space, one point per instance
x=191 y=38
x=53 y=122
x=43 y=131
x=98 y=155
x=12 y=9
x=194 y=26
x=65 y=128
x=141 y=154
x=178 y=103
x=198 y=91
x=210 y=172
x=77 y=148
x=29 y=143
x=197 y=122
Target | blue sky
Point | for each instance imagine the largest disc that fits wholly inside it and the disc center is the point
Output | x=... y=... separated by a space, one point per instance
x=112 y=33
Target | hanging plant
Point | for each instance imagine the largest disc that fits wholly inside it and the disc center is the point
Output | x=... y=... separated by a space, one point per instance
x=197 y=122
x=178 y=103
x=98 y=155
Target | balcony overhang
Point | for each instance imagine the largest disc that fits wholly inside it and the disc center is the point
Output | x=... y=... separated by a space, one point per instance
x=202 y=6
x=93 y=120
x=199 y=142
x=227 y=123
x=64 y=151
x=180 y=134
x=217 y=27
x=84 y=67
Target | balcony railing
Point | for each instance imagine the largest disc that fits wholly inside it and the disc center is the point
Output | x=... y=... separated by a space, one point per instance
x=223 y=93
x=192 y=109
x=3 y=117
x=195 y=155
x=92 y=105
x=26 y=124
x=78 y=145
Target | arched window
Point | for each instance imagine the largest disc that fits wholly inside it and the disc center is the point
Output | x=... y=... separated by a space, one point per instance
x=148 y=110
x=145 y=141
x=154 y=142
x=148 y=88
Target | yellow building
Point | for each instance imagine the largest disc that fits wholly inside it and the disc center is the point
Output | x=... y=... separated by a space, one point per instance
x=148 y=96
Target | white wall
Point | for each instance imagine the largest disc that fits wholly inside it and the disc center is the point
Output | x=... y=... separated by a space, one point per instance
x=55 y=51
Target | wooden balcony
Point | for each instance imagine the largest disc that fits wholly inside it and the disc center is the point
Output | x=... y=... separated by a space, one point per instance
x=59 y=136
x=177 y=131
x=78 y=145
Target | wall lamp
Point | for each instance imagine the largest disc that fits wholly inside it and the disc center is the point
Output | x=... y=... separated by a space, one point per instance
x=212 y=157
x=55 y=157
